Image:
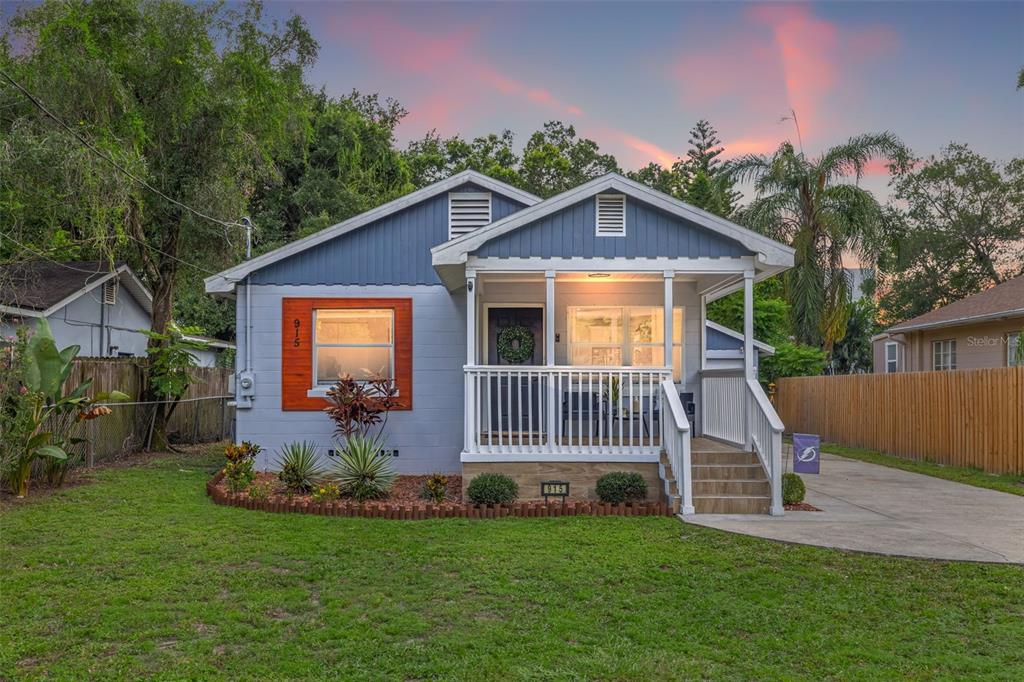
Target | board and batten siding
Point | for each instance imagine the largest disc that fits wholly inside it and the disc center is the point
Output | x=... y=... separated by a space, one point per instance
x=393 y=250
x=650 y=233
x=428 y=437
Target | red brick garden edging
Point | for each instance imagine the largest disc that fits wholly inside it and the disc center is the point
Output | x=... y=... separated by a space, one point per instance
x=418 y=512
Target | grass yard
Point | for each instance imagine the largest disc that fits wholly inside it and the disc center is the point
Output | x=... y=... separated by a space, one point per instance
x=1007 y=483
x=137 y=574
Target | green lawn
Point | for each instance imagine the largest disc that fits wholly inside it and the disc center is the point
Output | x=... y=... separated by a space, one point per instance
x=1007 y=483
x=138 y=574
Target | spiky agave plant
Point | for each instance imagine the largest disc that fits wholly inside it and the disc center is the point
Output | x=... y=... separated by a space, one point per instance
x=363 y=471
x=299 y=467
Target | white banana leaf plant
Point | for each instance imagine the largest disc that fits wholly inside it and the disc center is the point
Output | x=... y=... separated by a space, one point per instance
x=46 y=371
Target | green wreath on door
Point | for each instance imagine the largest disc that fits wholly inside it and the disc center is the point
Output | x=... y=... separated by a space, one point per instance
x=515 y=344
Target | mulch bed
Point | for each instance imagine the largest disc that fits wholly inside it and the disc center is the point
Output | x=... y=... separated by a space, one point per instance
x=405 y=490
x=800 y=506
x=405 y=503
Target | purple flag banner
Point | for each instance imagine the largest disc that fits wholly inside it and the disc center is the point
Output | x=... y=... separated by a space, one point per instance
x=806 y=453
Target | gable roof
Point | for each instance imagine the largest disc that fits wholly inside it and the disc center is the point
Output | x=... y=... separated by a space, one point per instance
x=760 y=345
x=225 y=281
x=40 y=288
x=456 y=251
x=1003 y=300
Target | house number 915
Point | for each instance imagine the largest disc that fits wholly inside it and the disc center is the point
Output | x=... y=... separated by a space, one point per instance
x=297 y=324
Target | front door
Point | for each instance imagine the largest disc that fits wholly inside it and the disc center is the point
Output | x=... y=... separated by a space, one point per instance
x=515 y=336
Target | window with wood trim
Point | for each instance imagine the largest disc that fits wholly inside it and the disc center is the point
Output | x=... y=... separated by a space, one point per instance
x=611 y=215
x=467 y=211
x=892 y=357
x=944 y=355
x=323 y=338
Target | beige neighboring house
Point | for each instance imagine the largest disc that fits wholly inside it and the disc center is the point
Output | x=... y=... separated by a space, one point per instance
x=983 y=330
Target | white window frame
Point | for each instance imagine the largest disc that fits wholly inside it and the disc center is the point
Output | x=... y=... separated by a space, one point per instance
x=895 y=357
x=621 y=232
x=943 y=355
x=317 y=384
x=1013 y=340
x=627 y=343
x=476 y=196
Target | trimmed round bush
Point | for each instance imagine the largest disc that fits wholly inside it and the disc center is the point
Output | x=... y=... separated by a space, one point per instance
x=492 y=489
x=793 y=489
x=617 y=487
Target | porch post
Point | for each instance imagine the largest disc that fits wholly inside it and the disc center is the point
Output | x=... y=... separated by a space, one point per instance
x=549 y=352
x=469 y=400
x=748 y=349
x=669 y=327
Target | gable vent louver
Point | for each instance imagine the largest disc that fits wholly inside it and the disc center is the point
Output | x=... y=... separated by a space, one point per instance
x=110 y=292
x=467 y=211
x=611 y=215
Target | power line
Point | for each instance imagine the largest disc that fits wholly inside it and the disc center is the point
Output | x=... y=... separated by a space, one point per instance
x=183 y=262
x=109 y=159
x=45 y=257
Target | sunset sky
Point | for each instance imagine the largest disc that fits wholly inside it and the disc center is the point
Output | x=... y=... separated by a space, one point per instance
x=635 y=76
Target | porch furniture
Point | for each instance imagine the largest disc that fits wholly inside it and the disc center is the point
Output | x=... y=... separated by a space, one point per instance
x=580 y=405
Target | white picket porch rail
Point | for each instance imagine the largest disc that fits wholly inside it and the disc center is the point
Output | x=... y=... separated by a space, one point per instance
x=675 y=434
x=581 y=411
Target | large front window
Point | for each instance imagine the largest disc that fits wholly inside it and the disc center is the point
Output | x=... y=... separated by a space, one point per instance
x=359 y=342
x=624 y=336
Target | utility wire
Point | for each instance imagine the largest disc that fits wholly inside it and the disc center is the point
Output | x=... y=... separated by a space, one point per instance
x=45 y=257
x=109 y=159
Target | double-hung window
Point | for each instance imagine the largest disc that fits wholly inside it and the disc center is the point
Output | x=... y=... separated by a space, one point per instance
x=944 y=354
x=892 y=357
x=624 y=336
x=359 y=342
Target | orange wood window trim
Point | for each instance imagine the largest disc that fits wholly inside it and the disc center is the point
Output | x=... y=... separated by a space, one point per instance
x=297 y=347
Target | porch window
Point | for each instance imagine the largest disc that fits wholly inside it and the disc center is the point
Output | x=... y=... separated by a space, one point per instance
x=944 y=355
x=355 y=341
x=624 y=336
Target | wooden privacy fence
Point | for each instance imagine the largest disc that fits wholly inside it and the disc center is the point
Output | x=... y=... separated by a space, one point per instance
x=202 y=416
x=962 y=418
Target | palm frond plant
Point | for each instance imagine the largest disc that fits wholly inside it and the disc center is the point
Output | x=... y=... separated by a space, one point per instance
x=363 y=471
x=806 y=203
x=299 y=467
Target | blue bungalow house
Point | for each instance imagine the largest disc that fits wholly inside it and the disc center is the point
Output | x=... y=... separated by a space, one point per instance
x=546 y=339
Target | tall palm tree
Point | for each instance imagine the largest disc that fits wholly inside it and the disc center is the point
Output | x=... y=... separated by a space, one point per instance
x=805 y=203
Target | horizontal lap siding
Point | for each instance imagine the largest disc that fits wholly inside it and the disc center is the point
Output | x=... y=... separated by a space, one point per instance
x=428 y=437
x=961 y=418
x=650 y=233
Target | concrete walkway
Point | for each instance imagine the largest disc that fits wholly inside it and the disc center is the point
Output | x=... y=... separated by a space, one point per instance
x=872 y=508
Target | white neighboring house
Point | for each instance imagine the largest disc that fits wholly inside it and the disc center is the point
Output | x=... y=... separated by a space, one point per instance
x=88 y=304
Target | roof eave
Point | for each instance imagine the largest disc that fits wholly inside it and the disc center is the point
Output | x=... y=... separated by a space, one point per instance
x=956 y=322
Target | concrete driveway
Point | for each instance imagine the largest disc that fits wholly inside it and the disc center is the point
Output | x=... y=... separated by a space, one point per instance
x=872 y=508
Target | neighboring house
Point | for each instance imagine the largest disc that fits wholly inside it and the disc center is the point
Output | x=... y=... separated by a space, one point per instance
x=983 y=330
x=86 y=303
x=547 y=339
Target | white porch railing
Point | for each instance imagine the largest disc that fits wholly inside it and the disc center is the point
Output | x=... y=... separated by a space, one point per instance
x=540 y=410
x=736 y=410
x=675 y=434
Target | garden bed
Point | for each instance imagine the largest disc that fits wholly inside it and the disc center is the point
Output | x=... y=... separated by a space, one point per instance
x=404 y=503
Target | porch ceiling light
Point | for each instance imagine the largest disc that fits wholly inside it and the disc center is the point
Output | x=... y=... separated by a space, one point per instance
x=599 y=275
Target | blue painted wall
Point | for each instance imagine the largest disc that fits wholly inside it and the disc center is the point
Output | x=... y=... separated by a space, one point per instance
x=393 y=250
x=716 y=340
x=649 y=233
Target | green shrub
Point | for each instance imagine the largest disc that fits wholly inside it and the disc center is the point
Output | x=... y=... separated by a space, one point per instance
x=793 y=489
x=260 y=491
x=299 y=467
x=492 y=489
x=238 y=475
x=363 y=471
x=435 y=488
x=326 y=492
x=617 y=487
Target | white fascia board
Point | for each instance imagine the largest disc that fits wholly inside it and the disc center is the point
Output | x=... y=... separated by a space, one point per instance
x=770 y=350
x=681 y=266
x=769 y=251
x=224 y=282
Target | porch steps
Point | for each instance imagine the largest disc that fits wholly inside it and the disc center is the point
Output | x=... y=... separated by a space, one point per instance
x=726 y=480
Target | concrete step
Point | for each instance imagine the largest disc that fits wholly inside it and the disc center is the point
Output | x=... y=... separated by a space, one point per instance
x=733 y=487
x=727 y=472
x=724 y=458
x=731 y=504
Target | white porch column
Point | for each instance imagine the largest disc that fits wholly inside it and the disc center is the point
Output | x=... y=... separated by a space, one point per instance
x=748 y=349
x=549 y=352
x=469 y=400
x=669 y=282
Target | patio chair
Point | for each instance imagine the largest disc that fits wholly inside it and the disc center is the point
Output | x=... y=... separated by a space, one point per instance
x=578 y=405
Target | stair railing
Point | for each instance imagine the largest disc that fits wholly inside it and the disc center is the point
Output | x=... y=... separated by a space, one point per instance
x=676 y=441
x=766 y=436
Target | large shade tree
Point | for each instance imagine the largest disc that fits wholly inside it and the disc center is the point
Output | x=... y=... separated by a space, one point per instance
x=810 y=204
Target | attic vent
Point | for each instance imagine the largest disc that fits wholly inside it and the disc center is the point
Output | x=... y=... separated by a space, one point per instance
x=611 y=215
x=110 y=292
x=467 y=211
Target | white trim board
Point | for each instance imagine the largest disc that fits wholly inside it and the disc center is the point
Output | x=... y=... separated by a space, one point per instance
x=770 y=252
x=532 y=457
x=760 y=345
x=224 y=282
